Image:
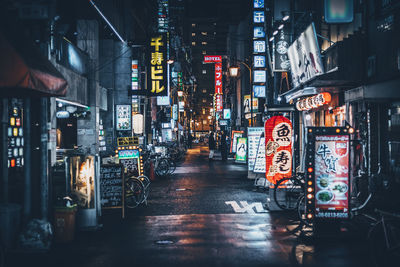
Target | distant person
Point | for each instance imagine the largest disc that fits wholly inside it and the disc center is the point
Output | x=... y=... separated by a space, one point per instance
x=224 y=147
x=190 y=140
x=211 y=146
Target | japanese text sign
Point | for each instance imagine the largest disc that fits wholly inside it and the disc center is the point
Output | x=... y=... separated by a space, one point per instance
x=123 y=117
x=253 y=137
x=278 y=148
x=158 y=66
x=218 y=103
x=218 y=78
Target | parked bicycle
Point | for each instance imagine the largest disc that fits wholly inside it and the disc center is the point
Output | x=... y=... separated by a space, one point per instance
x=384 y=239
x=287 y=191
x=136 y=190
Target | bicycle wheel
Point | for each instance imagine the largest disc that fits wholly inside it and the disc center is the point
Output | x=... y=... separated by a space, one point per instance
x=146 y=183
x=162 y=167
x=286 y=193
x=172 y=166
x=384 y=243
x=135 y=192
x=301 y=211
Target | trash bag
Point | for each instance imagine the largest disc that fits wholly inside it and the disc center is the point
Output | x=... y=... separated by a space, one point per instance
x=37 y=235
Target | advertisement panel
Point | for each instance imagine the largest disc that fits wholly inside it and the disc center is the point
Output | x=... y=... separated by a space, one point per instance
x=241 y=151
x=278 y=148
x=218 y=78
x=123 y=117
x=235 y=136
x=339 y=11
x=212 y=59
x=218 y=103
x=331 y=176
x=253 y=134
x=259 y=91
x=305 y=57
x=158 y=66
x=227 y=114
x=246 y=104
x=135 y=75
x=281 y=59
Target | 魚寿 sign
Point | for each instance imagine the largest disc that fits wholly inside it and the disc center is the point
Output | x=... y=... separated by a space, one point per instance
x=158 y=66
x=278 y=148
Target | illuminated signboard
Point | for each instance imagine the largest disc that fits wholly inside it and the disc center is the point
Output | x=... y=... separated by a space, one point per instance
x=305 y=57
x=259 y=46
x=260 y=76
x=253 y=134
x=175 y=112
x=128 y=154
x=135 y=75
x=235 y=136
x=163 y=14
x=223 y=122
x=313 y=101
x=258 y=16
x=218 y=78
x=259 y=90
x=227 y=114
x=246 y=104
x=218 y=103
x=259 y=165
x=281 y=59
x=158 y=66
x=258 y=3
x=259 y=61
x=327 y=169
x=258 y=32
x=278 y=148
x=128 y=141
x=123 y=115
x=181 y=106
x=339 y=11
x=241 y=150
x=212 y=59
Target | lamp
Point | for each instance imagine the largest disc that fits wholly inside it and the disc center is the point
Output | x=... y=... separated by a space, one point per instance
x=180 y=93
x=170 y=61
x=233 y=71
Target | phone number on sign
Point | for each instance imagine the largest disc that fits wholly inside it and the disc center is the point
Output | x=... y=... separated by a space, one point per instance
x=331 y=215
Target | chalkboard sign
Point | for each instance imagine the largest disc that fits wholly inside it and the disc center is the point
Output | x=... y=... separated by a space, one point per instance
x=111 y=186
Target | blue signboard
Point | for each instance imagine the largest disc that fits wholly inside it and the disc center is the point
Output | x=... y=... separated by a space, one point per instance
x=259 y=32
x=258 y=3
x=339 y=11
x=259 y=90
x=258 y=17
x=259 y=61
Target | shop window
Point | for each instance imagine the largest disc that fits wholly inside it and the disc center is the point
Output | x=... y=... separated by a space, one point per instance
x=66 y=133
x=193 y=43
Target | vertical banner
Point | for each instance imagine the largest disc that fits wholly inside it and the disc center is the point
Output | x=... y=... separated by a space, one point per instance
x=218 y=78
x=123 y=117
x=241 y=151
x=259 y=165
x=281 y=58
x=253 y=138
x=158 y=66
x=278 y=148
x=218 y=103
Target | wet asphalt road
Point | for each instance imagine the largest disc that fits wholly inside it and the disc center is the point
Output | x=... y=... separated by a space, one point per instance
x=206 y=214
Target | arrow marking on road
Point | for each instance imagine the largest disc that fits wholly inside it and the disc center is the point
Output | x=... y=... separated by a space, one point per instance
x=246 y=207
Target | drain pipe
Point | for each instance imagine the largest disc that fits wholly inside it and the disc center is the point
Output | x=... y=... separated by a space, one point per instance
x=44 y=177
x=4 y=161
x=27 y=168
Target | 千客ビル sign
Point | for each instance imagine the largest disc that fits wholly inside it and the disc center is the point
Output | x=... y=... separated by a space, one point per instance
x=158 y=66
x=328 y=172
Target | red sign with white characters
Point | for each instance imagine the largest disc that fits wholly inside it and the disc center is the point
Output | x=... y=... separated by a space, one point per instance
x=331 y=176
x=278 y=148
x=212 y=59
x=218 y=78
x=218 y=103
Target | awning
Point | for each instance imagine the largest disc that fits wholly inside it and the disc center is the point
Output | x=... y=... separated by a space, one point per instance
x=384 y=91
x=24 y=70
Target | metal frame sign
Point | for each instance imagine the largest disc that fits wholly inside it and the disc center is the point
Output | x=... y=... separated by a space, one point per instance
x=235 y=136
x=305 y=57
x=123 y=117
x=158 y=66
x=278 y=148
x=253 y=137
x=259 y=165
x=241 y=151
x=328 y=161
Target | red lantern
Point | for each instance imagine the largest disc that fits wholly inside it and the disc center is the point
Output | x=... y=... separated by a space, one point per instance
x=278 y=148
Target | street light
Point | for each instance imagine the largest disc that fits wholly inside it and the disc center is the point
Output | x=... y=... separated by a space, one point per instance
x=233 y=71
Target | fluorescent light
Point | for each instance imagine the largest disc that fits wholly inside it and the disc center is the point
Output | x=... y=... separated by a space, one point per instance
x=271 y=39
x=281 y=27
x=275 y=32
x=285 y=18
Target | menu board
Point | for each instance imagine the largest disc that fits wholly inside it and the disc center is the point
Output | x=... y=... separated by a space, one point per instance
x=259 y=165
x=253 y=138
x=241 y=151
x=331 y=176
x=111 y=186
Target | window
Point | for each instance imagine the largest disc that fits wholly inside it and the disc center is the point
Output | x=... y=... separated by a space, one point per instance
x=204 y=101
x=193 y=43
x=204 y=91
x=204 y=52
x=193 y=24
x=204 y=33
x=204 y=43
x=204 y=111
x=193 y=34
x=204 y=71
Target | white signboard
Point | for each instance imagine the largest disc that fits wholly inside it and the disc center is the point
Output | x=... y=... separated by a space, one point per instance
x=123 y=116
x=253 y=139
x=259 y=90
x=305 y=57
x=259 y=165
x=259 y=46
x=260 y=76
x=259 y=61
